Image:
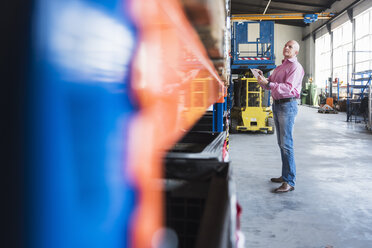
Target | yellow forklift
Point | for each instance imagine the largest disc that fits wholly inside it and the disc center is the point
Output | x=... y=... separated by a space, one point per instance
x=249 y=103
x=248 y=112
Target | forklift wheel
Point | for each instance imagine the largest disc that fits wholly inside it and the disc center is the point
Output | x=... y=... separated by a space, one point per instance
x=270 y=123
x=233 y=125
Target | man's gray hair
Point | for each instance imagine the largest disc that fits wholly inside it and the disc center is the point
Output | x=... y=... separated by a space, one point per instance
x=296 y=45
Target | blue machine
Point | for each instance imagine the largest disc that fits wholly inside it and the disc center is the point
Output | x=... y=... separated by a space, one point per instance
x=310 y=18
x=255 y=50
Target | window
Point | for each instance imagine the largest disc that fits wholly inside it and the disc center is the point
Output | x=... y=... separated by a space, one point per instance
x=363 y=34
x=322 y=60
x=342 y=43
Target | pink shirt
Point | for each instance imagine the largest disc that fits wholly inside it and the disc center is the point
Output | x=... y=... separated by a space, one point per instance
x=286 y=80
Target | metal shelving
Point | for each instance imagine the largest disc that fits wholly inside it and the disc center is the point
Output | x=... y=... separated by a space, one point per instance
x=369 y=123
x=357 y=91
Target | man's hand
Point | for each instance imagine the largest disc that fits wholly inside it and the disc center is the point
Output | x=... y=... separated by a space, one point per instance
x=262 y=80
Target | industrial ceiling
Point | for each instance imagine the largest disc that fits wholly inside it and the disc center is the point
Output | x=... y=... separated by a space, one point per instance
x=281 y=6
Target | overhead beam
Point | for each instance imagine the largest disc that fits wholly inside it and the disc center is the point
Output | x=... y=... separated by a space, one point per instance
x=350 y=14
x=299 y=3
x=352 y=5
x=328 y=26
x=277 y=16
x=296 y=23
x=248 y=6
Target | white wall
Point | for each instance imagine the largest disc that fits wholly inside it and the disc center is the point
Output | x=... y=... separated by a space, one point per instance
x=284 y=33
x=309 y=65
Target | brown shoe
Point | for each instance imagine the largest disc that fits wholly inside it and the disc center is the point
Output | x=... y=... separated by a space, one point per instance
x=285 y=187
x=277 y=180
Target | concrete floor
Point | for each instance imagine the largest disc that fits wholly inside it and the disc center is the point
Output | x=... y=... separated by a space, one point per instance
x=332 y=202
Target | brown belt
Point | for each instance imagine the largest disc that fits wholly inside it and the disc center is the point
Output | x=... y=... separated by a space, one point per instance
x=283 y=100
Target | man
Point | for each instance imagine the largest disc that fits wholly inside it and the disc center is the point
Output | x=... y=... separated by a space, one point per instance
x=285 y=85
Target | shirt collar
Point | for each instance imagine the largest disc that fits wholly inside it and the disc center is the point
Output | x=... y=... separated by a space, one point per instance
x=294 y=59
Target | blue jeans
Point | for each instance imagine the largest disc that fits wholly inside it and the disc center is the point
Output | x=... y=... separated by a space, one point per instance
x=284 y=117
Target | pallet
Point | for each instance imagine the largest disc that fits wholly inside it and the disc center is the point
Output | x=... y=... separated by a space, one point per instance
x=327 y=111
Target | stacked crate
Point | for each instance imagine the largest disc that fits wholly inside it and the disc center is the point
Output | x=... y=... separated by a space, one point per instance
x=210 y=19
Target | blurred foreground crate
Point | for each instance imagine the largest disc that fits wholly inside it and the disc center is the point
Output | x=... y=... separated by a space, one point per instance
x=185 y=202
x=200 y=205
x=199 y=212
x=209 y=19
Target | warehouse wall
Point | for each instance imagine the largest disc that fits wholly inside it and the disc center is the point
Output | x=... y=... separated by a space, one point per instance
x=284 y=33
x=341 y=19
x=309 y=65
